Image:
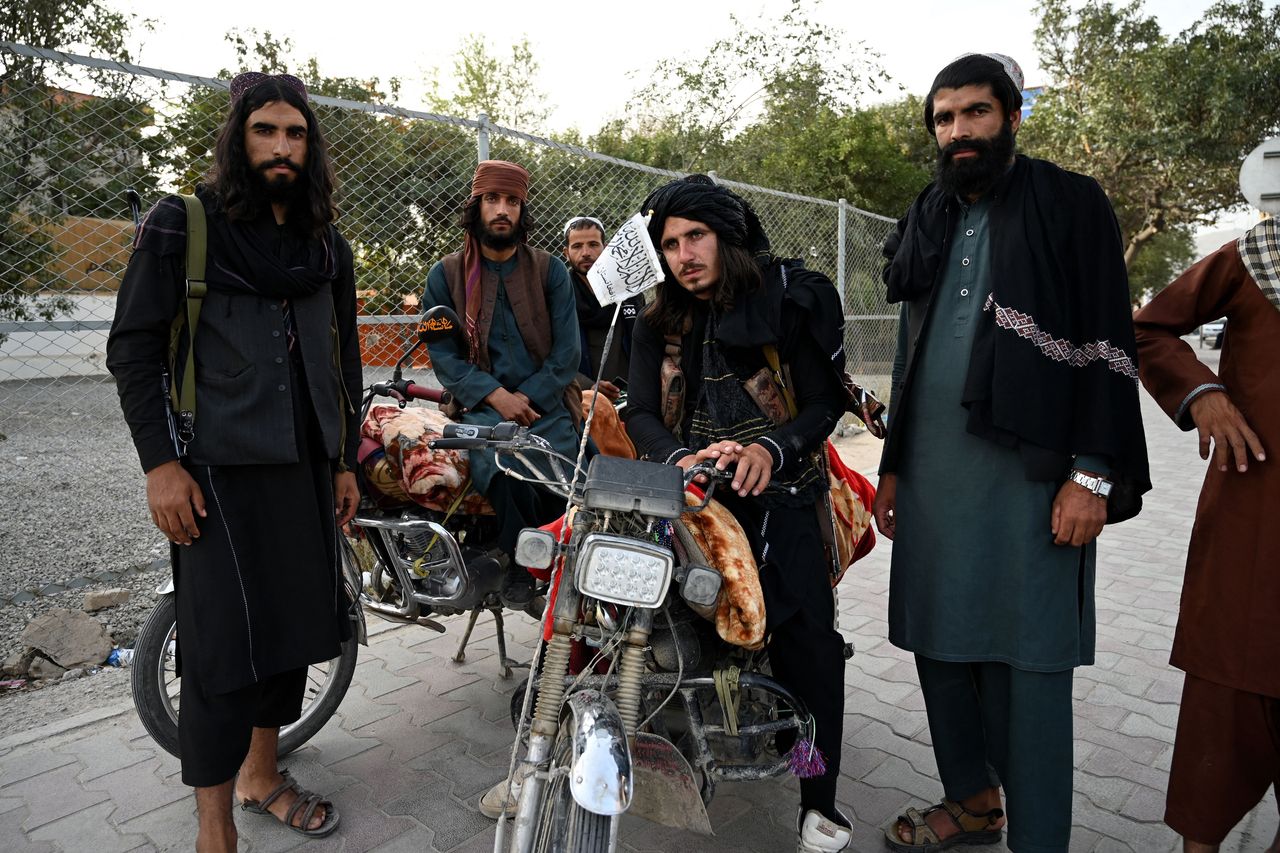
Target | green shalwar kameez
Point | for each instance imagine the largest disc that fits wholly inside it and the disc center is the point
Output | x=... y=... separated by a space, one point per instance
x=996 y=613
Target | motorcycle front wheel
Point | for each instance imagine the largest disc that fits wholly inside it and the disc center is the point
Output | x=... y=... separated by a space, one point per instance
x=157 y=686
x=563 y=825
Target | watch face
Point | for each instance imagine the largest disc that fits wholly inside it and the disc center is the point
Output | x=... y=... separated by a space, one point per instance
x=1104 y=489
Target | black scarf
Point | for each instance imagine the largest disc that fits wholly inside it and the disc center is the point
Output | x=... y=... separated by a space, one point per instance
x=1053 y=369
x=245 y=260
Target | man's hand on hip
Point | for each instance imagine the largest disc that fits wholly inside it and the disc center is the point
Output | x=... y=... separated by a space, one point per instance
x=1078 y=515
x=346 y=496
x=1218 y=419
x=884 y=509
x=174 y=500
x=512 y=406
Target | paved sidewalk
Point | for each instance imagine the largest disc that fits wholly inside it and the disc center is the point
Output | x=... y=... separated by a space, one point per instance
x=418 y=738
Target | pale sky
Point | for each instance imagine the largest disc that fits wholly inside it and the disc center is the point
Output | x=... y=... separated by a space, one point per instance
x=586 y=50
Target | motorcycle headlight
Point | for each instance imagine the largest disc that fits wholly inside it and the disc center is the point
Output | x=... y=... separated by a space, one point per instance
x=623 y=571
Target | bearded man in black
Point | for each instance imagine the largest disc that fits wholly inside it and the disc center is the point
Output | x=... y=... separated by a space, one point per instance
x=253 y=493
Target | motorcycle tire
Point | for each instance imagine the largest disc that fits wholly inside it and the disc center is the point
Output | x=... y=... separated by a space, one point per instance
x=563 y=825
x=157 y=686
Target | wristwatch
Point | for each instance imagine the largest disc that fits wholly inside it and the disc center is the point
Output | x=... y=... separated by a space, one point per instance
x=1098 y=485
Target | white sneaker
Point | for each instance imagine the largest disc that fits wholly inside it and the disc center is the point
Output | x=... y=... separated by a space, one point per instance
x=492 y=803
x=820 y=835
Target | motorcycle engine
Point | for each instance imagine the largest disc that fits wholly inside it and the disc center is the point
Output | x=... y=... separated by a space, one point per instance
x=688 y=637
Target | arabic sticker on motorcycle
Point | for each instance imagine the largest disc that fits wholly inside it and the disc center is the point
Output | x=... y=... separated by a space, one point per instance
x=628 y=265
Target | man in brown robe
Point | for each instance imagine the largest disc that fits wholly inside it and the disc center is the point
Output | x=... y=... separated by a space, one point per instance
x=1227 y=750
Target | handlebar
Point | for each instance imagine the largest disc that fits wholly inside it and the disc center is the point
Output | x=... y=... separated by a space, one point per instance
x=404 y=390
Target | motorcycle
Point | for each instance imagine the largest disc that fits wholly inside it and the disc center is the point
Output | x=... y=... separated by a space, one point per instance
x=400 y=561
x=634 y=702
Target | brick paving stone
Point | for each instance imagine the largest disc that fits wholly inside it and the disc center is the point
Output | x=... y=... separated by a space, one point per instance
x=1145 y=804
x=895 y=773
x=358 y=710
x=364 y=826
x=1112 y=697
x=430 y=803
x=52 y=795
x=172 y=827
x=414 y=841
x=468 y=774
x=1142 y=725
x=1108 y=793
x=15 y=840
x=877 y=736
x=333 y=743
x=106 y=752
x=25 y=762
x=88 y=830
x=146 y=790
x=378 y=681
x=1104 y=761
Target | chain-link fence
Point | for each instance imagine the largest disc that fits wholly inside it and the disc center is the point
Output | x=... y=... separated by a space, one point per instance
x=82 y=131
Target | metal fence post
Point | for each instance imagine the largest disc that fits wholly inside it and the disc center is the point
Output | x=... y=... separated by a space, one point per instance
x=482 y=138
x=841 y=209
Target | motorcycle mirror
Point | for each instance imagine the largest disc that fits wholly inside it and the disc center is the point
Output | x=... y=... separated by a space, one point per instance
x=440 y=322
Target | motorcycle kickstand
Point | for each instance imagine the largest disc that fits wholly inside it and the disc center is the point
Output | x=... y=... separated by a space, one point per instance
x=461 y=655
x=505 y=662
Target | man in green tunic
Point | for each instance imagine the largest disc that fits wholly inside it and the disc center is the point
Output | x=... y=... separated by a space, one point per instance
x=522 y=328
x=1015 y=415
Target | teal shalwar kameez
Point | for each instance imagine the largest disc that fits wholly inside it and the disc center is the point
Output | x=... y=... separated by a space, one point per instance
x=996 y=614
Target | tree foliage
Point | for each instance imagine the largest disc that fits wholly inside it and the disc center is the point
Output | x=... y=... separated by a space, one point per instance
x=62 y=152
x=504 y=89
x=1161 y=122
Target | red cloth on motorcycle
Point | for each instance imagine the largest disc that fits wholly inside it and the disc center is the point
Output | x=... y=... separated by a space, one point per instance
x=851 y=497
x=607 y=430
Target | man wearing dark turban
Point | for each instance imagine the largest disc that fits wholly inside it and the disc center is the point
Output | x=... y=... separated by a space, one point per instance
x=523 y=350
x=1015 y=416
x=725 y=299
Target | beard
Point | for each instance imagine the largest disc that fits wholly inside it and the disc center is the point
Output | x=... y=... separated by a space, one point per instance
x=971 y=176
x=498 y=241
x=278 y=189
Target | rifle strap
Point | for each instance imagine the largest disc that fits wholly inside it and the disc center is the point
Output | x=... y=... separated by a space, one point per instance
x=183 y=396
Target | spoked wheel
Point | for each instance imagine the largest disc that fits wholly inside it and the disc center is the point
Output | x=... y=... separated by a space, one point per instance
x=563 y=825
x=157 y=687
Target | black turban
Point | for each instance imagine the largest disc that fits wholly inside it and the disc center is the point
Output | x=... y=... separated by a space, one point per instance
x=697 y=197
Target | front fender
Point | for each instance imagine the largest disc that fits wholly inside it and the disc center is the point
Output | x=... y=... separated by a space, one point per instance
x=600 y=777
x=165 y=588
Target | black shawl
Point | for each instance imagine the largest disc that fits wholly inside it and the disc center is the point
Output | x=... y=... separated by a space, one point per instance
x=1053 y=369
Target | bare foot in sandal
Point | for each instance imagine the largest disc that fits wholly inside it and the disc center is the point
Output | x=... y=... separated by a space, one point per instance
x=290 y=803
x=976 y=820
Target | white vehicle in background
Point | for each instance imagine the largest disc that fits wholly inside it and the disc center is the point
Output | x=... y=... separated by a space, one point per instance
x=1212 y=334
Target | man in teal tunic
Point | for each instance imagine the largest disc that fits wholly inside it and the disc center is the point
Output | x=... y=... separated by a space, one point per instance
x=1015 y=417
x=522 y=328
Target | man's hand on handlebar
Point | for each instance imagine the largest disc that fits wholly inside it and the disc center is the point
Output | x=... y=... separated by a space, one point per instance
x=754 y=465
x=512 y=406
x=175 y=500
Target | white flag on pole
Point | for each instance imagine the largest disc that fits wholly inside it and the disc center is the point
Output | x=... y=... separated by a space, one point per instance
x=628 y=265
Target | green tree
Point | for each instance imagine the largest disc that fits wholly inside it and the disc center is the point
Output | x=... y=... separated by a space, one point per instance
x=791 y=67
x=1162 y=122
x=61 y=152
x=504 y=89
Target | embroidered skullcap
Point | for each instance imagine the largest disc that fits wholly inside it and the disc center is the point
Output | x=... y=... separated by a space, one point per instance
x=1008 y=63
x=242 y=83
x=500 y=176
x=700 y=199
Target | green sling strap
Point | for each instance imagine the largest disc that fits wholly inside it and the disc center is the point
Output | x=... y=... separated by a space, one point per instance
x=182 y=396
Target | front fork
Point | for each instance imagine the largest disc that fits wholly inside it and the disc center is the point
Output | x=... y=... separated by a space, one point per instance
x=551 y=695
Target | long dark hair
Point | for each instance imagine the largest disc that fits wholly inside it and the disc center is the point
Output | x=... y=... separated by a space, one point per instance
x=470 y=220
x=231 y=178
x=740 y=275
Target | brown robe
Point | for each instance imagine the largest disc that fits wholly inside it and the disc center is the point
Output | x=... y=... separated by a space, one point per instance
x=1229 y=624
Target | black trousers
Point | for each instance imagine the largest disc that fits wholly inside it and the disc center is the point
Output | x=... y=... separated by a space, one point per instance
x=806 y=651
x=214 y=730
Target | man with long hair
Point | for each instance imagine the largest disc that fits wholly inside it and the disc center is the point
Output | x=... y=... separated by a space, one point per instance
x=1015 y=436
x=725 y=300
x=522 y=352
x=252 y=493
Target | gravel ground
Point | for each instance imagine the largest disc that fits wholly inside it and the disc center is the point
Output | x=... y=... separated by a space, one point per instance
x=75 y=506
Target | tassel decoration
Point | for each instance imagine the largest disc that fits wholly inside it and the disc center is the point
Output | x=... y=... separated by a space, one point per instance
x=806 y=761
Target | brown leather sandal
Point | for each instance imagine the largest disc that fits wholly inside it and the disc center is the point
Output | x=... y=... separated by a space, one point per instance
x=307 y=802
x=973 y=829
